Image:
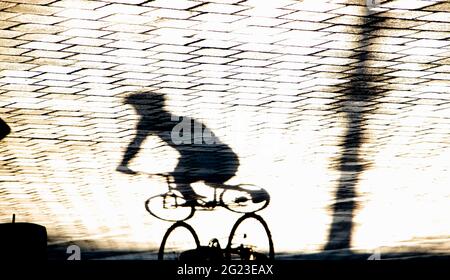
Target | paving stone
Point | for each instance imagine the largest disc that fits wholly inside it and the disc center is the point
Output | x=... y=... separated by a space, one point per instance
x=37 y=28
x=182 y=5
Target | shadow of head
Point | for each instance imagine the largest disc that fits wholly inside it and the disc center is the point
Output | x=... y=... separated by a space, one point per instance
x=146 y=103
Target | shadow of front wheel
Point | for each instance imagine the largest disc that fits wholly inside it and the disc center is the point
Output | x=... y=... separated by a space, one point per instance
x=250 y=239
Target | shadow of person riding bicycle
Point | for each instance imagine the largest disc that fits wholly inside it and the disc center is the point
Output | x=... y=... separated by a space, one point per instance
x=203 y=156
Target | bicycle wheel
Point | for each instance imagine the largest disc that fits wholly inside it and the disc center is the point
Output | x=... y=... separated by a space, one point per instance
x=169 y=207
x=245 y=199
x=250 y=239
x=179 y=238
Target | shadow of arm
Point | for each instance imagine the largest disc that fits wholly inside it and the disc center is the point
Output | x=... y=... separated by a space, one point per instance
x=133 y=148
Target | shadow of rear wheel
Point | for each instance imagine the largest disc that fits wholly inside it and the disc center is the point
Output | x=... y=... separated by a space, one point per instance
x=178 y=239
x=250 y=239
x=245 y=199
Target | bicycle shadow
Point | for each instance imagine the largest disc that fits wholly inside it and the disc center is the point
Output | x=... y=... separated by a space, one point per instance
x=203 y=157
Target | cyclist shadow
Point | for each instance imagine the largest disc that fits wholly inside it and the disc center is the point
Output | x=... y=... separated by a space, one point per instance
x=203 y=156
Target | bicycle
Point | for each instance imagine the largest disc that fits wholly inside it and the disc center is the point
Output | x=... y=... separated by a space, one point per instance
x=171 y=206
x=180 y=242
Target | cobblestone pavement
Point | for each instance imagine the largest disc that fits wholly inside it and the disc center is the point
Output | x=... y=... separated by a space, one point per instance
x=275 y=80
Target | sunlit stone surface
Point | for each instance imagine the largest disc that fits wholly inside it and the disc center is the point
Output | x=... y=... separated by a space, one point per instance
x=272 y=79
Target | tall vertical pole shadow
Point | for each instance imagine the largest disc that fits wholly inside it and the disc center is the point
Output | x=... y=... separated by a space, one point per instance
x=356 y=102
